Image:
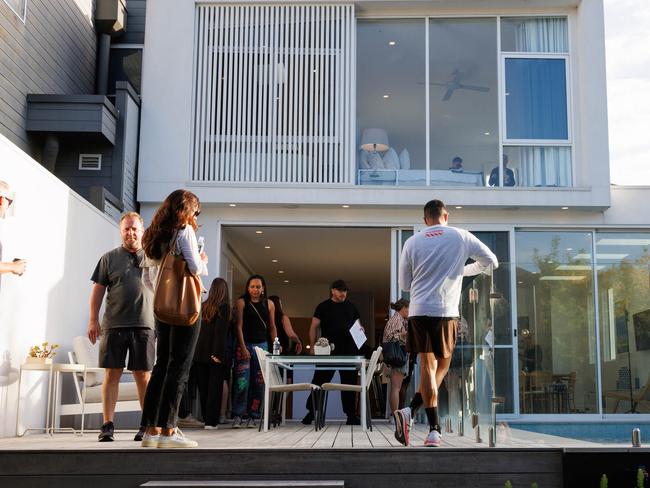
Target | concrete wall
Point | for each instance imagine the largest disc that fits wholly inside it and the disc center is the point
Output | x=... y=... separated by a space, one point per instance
x=53 y=51
x=62 y=236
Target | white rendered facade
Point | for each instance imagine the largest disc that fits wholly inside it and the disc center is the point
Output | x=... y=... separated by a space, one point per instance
x=283 y=189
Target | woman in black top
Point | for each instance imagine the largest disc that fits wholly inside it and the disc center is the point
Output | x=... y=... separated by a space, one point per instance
x=210 y=355
x=289 y=340
x=255 y=319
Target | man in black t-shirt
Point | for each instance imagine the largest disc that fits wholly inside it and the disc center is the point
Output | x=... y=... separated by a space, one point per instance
x=127 y=325
x=335 y=316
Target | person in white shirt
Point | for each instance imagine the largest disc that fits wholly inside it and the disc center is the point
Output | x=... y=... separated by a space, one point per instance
x=432 y=266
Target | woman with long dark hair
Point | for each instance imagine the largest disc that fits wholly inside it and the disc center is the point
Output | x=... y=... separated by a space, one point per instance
x=289 y=340
x=210 y=355
x=255 y=319
x=173 y=227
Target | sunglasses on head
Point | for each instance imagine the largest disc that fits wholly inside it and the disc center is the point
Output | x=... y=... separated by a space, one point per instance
x=10 y=200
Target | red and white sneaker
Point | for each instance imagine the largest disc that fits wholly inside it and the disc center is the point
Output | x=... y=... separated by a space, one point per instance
x=433 y=439
x=402 y=425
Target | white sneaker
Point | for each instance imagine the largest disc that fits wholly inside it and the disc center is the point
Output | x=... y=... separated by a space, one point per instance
x=149 y=440
x=433 y=439
x=211 y=427
x=176 y=441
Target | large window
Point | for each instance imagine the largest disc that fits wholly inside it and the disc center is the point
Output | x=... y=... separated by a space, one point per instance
x=463 y=100
x=537 y=132
x=556 y=323
x=624 y=305
x=446 y=120
x=391 y=113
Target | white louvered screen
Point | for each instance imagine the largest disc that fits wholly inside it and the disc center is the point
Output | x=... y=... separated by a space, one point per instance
x=273 y=94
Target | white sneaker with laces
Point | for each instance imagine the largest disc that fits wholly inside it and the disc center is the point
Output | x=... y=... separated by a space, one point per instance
x=211 y=427
x=149 y=440
x=433 y=439
x=176 y=441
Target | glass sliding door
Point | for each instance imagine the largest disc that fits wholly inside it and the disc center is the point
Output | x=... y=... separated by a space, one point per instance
x=556 y=322
x=623 y=264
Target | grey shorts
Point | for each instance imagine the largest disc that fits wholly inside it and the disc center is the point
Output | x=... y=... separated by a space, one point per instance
x=139 y=342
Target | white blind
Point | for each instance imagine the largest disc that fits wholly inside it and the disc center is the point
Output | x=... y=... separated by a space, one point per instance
x=273 y=98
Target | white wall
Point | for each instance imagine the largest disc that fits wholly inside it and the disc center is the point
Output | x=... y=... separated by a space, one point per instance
x=62 y=237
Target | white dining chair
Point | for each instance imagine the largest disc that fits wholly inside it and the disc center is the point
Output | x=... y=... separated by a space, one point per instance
x=327 y=387
x=277 y=387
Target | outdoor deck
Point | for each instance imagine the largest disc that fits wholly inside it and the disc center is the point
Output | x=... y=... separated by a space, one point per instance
x=338 y=453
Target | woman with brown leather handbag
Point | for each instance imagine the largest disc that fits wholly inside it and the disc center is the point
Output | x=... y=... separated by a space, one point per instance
x=173 y=263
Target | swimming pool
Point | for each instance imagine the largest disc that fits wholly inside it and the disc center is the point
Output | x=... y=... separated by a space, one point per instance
x=605 y=433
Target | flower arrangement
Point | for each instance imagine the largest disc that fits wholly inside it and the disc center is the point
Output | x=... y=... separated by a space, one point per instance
x=323 y=346
x=43 y=351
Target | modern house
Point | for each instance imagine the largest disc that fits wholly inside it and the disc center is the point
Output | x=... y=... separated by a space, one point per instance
x=313 y=134
x=69 y=92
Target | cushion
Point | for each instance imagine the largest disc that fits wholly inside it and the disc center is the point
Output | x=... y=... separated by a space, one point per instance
x=88 y=354
x=127 y=391
x=405 y=159
x=391 y=161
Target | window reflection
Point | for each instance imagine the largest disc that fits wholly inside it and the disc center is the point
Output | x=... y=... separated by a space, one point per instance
x=555 y=315
x=624 y=296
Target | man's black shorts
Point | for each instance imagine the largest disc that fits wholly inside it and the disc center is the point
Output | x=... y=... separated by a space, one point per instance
x=432 y=334
x=138 y=341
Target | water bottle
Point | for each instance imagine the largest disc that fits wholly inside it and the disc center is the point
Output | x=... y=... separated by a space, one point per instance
x=201 y=243
x=276 y=347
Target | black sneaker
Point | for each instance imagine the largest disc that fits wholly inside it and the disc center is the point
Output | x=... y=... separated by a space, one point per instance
x=106 y=432
x=138 y=437
x=309 y=418
x=353 y=420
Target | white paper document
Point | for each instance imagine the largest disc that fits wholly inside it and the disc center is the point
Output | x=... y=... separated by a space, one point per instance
x=358 y=334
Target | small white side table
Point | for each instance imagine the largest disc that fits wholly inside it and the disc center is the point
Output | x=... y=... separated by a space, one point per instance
x=73 y=369
x=48 y=368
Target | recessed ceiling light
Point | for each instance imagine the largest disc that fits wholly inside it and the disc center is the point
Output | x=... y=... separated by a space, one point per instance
x=274 y=260
x=259 y=232
x=286 y=281
x=232 y=204
x=459 y=207
x=267 y=247
x=386 y=96
x=391 y=43
x=486 y=133
x=569 y=249
x=281 y=271
x=520 y=282
x=565 y=208
x=345 y=206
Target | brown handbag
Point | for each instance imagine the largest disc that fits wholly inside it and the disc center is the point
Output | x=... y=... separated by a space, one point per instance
x=177 y=299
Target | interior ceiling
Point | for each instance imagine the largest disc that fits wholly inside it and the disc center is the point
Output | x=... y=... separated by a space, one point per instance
x=312 y=255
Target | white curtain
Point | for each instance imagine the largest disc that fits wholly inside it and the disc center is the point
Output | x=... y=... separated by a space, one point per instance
x=542 y=35
x=545 y=166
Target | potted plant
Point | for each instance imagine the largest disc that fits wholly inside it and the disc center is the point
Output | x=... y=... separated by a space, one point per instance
x=42 y=354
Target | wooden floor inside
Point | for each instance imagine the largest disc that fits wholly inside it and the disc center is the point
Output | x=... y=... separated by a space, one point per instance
x=294 y=435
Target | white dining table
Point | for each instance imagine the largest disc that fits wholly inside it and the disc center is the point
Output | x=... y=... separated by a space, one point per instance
x=291 y=363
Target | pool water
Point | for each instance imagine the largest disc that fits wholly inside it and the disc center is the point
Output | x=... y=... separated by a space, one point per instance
x=605 y=433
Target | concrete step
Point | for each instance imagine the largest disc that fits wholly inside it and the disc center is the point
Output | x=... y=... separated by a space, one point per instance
x=248 y=484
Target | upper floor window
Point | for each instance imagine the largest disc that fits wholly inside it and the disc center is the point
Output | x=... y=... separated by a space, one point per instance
x=475 y=114
x=536 y=135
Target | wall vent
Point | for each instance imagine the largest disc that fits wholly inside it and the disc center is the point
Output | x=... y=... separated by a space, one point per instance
x=90 y=162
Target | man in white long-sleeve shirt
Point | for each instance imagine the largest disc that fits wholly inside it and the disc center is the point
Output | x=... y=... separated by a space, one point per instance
x=431 y=268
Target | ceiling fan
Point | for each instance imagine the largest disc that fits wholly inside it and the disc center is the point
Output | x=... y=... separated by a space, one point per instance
x=455 y=83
